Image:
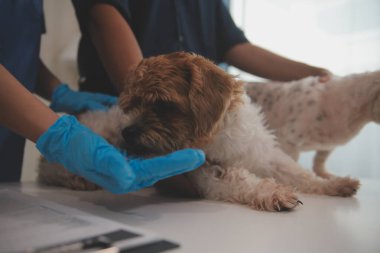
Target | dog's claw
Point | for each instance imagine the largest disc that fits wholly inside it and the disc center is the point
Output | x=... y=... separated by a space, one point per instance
x=299 y=202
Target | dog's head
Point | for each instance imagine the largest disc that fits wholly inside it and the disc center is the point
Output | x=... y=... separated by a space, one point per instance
x=178 y=101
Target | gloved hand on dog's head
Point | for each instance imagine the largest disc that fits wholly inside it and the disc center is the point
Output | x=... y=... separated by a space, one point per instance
x=87 y=154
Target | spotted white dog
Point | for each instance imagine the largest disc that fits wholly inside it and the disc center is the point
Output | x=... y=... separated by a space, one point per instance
x=307 y=115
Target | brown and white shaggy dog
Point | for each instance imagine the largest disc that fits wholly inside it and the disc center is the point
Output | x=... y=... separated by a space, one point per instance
x=182 y=100
x=307 y=115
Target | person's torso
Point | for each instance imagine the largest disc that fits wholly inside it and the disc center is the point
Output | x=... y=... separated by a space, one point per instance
x=168 y=26
x=21 y=26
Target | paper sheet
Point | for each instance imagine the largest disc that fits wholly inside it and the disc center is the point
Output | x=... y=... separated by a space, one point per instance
x=28 y=223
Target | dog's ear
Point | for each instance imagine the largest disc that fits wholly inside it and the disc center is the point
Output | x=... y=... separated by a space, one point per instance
x=126 y=98
x=131 y=85
x=210 y=94
x=154 y=79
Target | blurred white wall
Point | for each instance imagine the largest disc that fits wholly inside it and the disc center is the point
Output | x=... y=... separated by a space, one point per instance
x=59 y=44
x=340 y=35
x=58 y=51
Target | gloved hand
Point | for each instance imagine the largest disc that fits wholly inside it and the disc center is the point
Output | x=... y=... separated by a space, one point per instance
x=87 y=154
x=66 y=100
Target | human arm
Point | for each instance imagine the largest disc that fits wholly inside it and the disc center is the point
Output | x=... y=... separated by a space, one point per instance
x=114 y=41
x=237 y=51
x=20 y=110
x=65 y=141
x=264 y=63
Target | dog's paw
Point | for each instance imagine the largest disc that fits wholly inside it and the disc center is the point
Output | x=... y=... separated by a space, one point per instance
x=275 y=197
x=343 y=186
x=285 y=199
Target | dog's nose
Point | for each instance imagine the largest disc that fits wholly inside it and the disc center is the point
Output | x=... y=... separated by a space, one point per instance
x=130 y=132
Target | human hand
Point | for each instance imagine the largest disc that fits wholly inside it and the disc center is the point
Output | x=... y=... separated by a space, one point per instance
x=323 y=74
x=87 y=154
x=66 y=100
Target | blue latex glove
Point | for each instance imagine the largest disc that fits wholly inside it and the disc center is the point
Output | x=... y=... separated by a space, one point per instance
x=87 y=154
x=66 y=100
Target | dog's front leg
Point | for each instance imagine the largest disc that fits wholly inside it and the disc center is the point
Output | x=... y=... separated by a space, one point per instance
x=238 y=185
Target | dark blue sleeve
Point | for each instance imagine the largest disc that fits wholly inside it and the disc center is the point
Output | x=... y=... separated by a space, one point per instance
x=83 y=7
x=228 y=34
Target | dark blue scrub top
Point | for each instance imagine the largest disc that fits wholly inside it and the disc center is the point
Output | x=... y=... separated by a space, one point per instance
x=204 y=27
x=21 y=26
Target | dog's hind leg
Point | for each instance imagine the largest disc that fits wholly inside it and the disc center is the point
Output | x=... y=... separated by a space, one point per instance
x=319 y=164
x=238 y=185
x=284 y=170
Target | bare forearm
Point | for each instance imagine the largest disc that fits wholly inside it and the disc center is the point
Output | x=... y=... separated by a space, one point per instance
x=46 y=81
x=114 y=41
x=20 y=110
x=263 y=63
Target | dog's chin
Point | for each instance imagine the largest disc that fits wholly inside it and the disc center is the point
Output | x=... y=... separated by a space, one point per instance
x=177 y=186
x=144 y=151
x=143 y=145
x=152 y=139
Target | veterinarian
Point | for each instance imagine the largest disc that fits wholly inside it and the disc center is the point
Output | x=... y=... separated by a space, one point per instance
x=117 y=34
x=61 y=139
